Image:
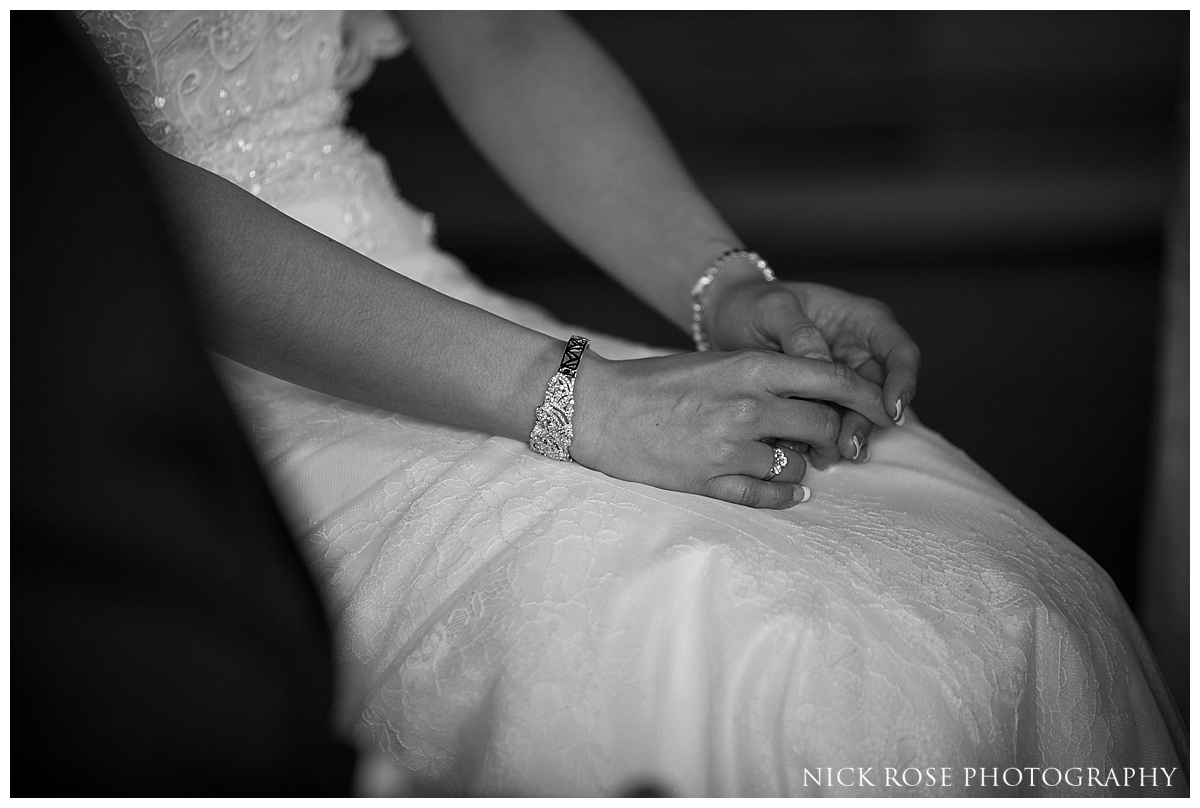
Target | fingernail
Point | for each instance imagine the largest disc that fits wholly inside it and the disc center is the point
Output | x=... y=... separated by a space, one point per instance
x=801 y=494
x=857 y=441
x=867 y=459
x=822 y=357
x=899 y=419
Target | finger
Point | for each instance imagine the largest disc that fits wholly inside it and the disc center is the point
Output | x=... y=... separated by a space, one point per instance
x=872 y=371
x=755 y=493
x=782 y=318
x=825 y=381
x=788 y=466
x=795 y=445
x=824 y=457
x=856 y=431
x=901 y=360
x=812 y=422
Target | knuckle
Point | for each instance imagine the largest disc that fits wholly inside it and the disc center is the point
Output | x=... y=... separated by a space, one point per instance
x=747 y=492
x=709 y=487
x=844 y=378
x=829 y=425
x=730 y=489
x=881 y=309
x=908 y=352
x=778 y=297
x=745 y=411
x=753 y=365
x=805 y=332
x=724 y=450
x=748 y=495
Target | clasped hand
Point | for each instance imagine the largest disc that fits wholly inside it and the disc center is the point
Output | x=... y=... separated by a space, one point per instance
x=806 y=368
x=703 y=422
x=821 y=322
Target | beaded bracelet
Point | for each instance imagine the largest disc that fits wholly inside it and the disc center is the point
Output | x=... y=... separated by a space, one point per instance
x=552 y=430
x=698 y=335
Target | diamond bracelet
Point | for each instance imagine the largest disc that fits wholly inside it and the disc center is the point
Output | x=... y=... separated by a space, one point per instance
x=698 y=335
x=552 y=430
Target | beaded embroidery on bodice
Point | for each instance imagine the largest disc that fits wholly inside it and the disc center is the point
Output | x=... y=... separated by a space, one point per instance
x=258 y=97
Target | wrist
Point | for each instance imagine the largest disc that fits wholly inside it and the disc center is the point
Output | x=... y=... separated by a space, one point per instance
x=729 y=272
x=595 y=383
x=740 y=269
x=553 y=428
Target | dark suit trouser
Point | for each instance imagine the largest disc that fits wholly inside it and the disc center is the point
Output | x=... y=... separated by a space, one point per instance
x=165 y=636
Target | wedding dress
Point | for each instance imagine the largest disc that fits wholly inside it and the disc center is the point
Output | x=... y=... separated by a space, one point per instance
x=512 y=625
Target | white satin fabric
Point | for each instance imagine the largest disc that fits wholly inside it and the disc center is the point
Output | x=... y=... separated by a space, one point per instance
x=511 y=625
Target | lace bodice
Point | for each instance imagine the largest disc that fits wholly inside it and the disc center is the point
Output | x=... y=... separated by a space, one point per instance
x=259 y=97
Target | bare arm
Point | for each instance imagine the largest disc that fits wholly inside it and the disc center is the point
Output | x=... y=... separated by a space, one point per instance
x=568 y=131
x=285 y=299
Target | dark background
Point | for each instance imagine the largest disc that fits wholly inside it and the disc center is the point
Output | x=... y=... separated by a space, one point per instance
x=999 y=178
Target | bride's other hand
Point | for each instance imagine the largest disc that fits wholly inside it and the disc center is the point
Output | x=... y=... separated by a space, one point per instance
x=812 y=320
x=700 y=422
x=569 y=133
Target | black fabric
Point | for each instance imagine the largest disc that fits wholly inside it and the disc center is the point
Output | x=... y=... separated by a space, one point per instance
x=165 y=636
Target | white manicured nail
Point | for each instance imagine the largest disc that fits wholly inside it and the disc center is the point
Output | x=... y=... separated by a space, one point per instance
x=857 y=447
x=801 y=494
x=899 y=419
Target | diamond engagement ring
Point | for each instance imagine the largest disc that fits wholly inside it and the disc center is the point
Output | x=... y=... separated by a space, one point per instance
x=780 y=464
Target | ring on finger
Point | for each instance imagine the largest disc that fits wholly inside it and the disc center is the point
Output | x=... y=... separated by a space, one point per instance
x=779 y=465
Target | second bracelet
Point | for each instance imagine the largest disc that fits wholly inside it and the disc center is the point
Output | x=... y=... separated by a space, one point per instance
x=699 y=336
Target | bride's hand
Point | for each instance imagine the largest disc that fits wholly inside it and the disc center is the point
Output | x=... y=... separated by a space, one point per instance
x=700 y=422
x=808 y=319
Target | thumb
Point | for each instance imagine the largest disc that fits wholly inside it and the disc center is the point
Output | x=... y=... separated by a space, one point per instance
x=783 y=319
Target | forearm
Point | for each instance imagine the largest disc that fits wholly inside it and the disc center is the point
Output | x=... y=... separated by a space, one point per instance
x=285 y=299
x=567 y=130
